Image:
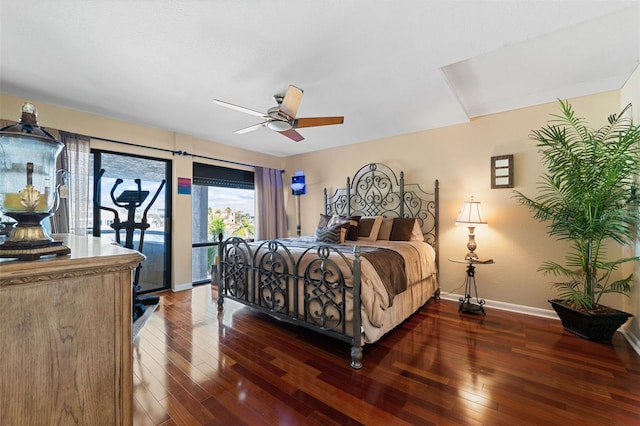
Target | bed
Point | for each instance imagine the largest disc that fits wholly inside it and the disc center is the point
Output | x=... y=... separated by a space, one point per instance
x=370 y=265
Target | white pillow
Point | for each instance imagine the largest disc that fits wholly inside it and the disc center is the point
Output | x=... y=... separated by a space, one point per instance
x=385 y=229
x=416 y=232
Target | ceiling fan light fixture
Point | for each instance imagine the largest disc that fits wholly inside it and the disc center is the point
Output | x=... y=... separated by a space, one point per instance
x=279 y=126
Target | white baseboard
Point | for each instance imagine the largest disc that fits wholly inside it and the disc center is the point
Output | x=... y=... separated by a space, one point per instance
x=182 y=287
x=545 y=313
x=631 y=338
x=521 y=309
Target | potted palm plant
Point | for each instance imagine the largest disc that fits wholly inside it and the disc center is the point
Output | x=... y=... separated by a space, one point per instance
x=588 y=197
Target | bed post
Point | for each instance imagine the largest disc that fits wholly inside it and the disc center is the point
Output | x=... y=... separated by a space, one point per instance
x=436 y=224
x=401 y=193
x=218 y=274
x=348 y=212
x=356 y=349
x=326 y=202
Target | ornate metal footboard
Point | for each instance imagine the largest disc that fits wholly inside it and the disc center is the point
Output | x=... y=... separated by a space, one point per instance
x=316 y=287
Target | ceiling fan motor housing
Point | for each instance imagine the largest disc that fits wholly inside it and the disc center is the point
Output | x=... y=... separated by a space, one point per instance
x=279 y=121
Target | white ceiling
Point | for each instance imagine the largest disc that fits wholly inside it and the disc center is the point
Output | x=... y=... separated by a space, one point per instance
x=389 y=67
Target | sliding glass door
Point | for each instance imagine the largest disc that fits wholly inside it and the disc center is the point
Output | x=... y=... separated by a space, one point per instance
x=223 y=203
x=129 y=190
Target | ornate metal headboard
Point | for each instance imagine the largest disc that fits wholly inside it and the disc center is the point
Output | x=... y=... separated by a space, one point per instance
x=375 y=190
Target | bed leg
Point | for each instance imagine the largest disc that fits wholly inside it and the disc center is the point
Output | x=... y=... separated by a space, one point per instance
x=220 y=301
x=216 y=281
x=436 y=295
x=356 y=357
x=356 y=349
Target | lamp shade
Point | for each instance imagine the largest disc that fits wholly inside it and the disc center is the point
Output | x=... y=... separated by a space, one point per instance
x=298 y=186
x=471 y=214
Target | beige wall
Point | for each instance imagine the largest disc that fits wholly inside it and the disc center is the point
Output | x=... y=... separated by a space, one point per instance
x=107 y=128
x=459 y=157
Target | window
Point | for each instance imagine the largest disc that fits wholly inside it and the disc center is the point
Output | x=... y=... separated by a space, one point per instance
x=223 y=202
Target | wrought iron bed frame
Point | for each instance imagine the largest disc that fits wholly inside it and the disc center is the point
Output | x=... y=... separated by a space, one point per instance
x=269 y=278
x=375 y=190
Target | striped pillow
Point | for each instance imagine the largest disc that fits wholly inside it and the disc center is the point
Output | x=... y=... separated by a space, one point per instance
x=334 y=234
x=351 y=221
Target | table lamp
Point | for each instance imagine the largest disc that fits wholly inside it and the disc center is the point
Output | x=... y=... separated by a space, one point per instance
x=28 y=186
x=471 y=216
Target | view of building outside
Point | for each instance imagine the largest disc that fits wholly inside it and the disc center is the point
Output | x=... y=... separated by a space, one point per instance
x=236 y=219
x=230 y=211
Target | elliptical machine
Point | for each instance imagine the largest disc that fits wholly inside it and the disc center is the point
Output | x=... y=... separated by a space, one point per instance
x=130 y=200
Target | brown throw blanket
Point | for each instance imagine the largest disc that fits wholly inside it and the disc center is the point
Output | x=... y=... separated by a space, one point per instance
x=388 y=263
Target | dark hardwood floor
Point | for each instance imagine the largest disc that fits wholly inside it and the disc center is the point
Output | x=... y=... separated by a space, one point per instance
x=194 y=366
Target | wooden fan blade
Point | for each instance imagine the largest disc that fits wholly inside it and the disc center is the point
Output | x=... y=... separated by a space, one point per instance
x=238 y=108
x=292 y=134
x=317 y=121
x=250 y=128
x=291 y=101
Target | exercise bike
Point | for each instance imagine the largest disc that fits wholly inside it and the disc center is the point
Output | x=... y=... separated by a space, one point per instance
x=130 y=200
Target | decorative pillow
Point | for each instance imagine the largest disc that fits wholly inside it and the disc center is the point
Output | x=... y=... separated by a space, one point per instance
x=351 y=221
x=343 y=234
x=324 y=220
x=416 y=232
x=385 y=228
x=334 y=234
x=336 y=219
x=354 y=226
x=368 y=228
x=402 y=228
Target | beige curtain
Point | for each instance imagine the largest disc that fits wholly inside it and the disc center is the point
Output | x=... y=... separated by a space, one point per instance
x=5 y=123
x=76 y=163
x=59 y=220
x=271 y=217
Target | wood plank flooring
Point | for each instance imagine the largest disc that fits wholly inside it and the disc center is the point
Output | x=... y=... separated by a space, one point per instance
x=194 y=366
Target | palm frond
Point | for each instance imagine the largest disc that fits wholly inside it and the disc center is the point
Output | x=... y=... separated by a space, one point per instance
x=587 y=196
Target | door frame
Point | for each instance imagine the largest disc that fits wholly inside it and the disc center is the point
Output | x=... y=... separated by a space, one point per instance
x=96 y=155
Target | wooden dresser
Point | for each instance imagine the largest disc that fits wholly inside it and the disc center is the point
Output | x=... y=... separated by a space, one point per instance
x=65 y=337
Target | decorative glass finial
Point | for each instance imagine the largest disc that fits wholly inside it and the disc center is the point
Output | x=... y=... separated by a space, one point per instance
x=29 y=108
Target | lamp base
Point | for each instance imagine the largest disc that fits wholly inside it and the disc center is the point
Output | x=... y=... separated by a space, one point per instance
x=28 y=240
x=471 y=308
x=33 y=251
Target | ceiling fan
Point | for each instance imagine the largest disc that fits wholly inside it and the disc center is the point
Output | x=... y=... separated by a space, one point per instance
x=282 y=118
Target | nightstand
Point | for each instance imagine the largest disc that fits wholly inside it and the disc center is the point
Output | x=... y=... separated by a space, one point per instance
x=465 y=302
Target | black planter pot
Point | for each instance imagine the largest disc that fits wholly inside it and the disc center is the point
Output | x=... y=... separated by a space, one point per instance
x=599 y=326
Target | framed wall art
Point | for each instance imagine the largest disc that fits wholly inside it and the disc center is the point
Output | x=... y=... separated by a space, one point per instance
x=502 y=171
